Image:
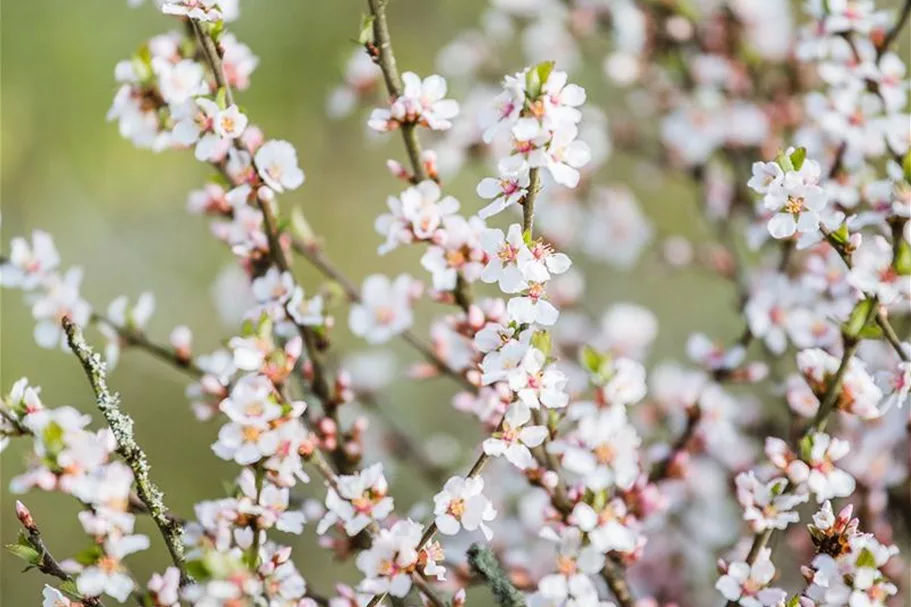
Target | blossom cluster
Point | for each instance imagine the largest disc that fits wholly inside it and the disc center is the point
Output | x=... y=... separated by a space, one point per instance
x=601 y=474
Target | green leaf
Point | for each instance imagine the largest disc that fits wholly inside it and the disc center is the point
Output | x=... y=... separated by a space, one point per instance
x=26 y=553
x=221 y=98
x=365 y=36
x=871 y=331
x=859 y=318
x=591 y=359
x=784 y=161
x=903 y=257
x=841 y=235
x=779 y=487
x=69 y=588
x=142 y=63
x=866 y=559
x=541 y=341
x=906 y=165
x=89 y=556
x=805 y=446
x=53 y=439
x=536 y=77
x=197 y=570
x=797 y=157
x=216 y=29
x=794 y=601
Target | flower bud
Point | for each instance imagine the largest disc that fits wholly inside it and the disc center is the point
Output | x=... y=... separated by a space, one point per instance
x=25 y=517
x=398 y=170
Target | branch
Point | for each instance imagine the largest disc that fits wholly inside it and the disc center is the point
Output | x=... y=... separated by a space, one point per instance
x=431 y=530
x=893 y=33
x=891 y=336
x=826 y=408
x=138 y=339
x=317 y=258
x=121 y=425
x=661 y=468
x=381 y=50
x=613 y=575
x=386 y=60
x=484 y=563
x=319 y=384
x=46 y=563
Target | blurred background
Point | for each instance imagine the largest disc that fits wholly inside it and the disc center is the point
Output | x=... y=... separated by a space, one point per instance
x=120 y=213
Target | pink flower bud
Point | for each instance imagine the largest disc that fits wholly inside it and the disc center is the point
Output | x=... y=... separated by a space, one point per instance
x=265 y=194
x=416 y=290
x=360 y=424
x=181 y=339
x=679 y=28
x=855 y=241
x=550 y=479
x=844 y=515
x=326 y=426
x=252 y=138
x=475 y=317
x=421 y=371
x=25 y=517
x=398 y=170
x=282 y=555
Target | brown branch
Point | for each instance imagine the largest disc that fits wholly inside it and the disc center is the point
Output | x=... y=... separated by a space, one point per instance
x=47 y=564
x=385 y=58
x=138 y=339
x=121 y=426
x=318 y=259
x=826 y=408
x=893 y=33
x=661 y=468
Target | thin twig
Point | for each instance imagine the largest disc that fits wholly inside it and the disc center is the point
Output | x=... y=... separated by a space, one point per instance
x=319 y=383
x=138 y=339
x=382 y=52
x=893 y=33
x=484 y=563
x=662 y=467
x=826 y=408
x=612 y=572
x=47 y=564
x=121 y=425
x=318 y=259
x=385 y=58
x=891 y=336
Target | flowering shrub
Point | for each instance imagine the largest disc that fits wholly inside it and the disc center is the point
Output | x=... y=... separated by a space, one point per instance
x=599 y=480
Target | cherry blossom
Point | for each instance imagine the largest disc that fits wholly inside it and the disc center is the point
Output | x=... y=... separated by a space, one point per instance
x=276 y=162
x=747 y=584
x=514 y=438
x=385 y=310
x=29 y=265
x=461 y=504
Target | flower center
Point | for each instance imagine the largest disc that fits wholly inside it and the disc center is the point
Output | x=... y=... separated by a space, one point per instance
x=604 y=453
x=566 y=565
x=456 y=508
x=794 y=205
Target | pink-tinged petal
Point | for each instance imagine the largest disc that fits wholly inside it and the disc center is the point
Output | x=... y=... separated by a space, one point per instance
x=489 y=188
